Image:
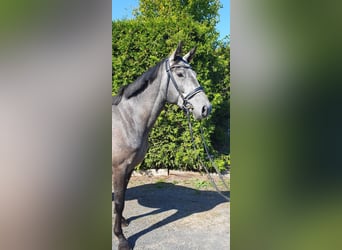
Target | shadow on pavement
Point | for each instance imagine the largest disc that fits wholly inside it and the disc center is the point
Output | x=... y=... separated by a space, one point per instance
x=167 y=196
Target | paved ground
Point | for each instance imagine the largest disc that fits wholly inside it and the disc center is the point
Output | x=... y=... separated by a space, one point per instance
x=176 y=212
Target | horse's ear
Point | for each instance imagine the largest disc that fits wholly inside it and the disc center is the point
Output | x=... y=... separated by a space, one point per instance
x=188 y=57
x=178 y=52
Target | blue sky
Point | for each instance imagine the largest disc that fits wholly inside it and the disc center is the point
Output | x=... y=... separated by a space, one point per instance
x=123 y=9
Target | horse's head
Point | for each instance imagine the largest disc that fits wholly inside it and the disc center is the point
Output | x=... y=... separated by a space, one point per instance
x=183 y=88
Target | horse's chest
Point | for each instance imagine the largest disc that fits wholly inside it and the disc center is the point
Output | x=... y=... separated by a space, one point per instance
x=141 y=152
x=129 y=142
x=131 y=150
x=136 y=155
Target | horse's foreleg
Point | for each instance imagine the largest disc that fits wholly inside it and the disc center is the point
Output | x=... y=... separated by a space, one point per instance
x=124 y=222
x=119 y=183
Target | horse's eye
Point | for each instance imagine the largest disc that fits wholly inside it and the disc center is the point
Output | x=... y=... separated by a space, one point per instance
x=180 y=74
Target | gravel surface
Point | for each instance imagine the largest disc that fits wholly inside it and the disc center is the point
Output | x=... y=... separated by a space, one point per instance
x=179 y=211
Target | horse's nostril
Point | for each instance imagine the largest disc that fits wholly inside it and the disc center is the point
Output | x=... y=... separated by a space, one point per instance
x=204 y=111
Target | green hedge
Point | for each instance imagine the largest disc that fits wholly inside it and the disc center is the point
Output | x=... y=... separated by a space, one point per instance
x=139 y=44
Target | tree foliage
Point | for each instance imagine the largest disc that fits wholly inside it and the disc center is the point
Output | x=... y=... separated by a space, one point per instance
x=141 y=43
x=203 y=11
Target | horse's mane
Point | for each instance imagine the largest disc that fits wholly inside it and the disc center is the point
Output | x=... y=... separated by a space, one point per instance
x=138 y=85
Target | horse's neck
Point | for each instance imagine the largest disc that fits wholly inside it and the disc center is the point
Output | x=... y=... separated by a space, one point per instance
x=146 y=107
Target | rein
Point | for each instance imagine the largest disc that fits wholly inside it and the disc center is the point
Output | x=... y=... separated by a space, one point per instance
x=186 y=106
x=212 y=181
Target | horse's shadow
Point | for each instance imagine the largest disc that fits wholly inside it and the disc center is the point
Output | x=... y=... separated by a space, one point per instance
x=167 y=196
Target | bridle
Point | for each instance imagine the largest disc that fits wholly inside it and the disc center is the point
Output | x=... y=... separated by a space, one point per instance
x=186 y=106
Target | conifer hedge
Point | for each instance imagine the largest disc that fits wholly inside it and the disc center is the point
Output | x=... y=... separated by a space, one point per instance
x=139 y=44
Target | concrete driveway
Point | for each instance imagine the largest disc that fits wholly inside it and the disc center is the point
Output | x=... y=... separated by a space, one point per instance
x=175 y=212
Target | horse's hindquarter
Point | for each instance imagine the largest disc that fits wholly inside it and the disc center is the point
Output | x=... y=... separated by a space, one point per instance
x=128 y=146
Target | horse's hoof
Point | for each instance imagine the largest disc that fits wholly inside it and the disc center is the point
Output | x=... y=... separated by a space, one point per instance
x=123 y=245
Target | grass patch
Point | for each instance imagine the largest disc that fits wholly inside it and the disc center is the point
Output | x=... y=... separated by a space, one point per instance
x=201 y=184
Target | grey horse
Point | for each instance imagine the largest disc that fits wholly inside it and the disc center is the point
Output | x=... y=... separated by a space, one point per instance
x=134 y=111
